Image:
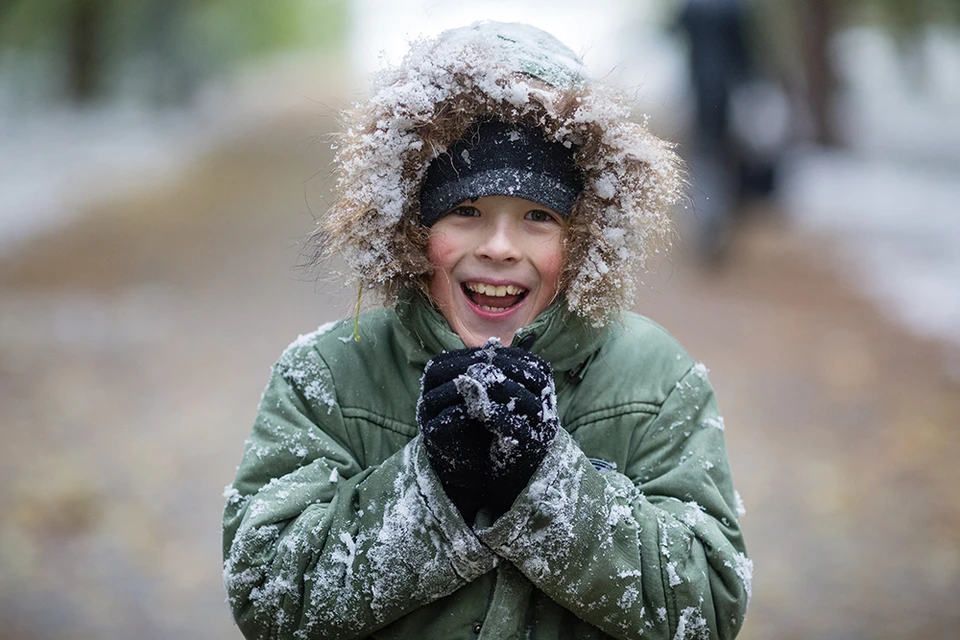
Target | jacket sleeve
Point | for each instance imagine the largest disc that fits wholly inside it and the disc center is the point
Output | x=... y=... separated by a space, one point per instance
x=316 y=546
x=653 y=552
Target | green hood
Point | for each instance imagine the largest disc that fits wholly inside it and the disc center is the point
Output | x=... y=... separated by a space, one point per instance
x=520 y=75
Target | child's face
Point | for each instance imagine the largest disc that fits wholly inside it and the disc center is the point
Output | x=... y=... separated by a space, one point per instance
x=497 y=266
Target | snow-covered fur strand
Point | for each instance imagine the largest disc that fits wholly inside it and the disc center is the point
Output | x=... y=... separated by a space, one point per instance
x=425 y=104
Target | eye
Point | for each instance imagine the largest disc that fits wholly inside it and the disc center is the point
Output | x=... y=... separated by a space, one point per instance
x=539 y=215
x=465 y=211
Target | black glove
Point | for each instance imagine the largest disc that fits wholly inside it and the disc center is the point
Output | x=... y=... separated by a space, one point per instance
x=457 y=444
x=487 y=416
x=523 y=416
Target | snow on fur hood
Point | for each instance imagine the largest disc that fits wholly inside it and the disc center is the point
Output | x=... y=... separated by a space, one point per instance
x=518 y=74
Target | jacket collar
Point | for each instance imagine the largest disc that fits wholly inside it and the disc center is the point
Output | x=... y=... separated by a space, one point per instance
x=560 y=337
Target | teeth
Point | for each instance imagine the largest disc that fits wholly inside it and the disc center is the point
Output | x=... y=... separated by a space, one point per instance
x=491 y=290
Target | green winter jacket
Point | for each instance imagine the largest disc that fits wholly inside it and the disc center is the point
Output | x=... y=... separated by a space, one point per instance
x=337 y=527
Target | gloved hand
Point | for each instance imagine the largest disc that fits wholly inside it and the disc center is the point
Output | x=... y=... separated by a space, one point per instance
x=457 y=444
x=523 y=418
x=487 y=416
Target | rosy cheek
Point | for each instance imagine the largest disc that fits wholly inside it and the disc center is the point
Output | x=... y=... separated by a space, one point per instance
x=438 y=253
x=550 y=266
x=438 y=250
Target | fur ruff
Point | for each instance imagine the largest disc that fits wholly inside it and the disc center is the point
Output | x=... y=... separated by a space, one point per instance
x=421 y=107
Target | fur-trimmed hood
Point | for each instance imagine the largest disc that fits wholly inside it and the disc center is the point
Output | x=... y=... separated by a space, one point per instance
x=517 y=74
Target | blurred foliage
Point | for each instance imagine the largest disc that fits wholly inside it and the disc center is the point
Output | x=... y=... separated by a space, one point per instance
x=109 y=39
x=259 y=27
x=779 y=22
x=241 y=26
x=905 y=15
x=792 y=41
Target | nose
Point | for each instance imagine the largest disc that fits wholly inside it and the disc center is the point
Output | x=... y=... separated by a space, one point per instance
x=499 y=243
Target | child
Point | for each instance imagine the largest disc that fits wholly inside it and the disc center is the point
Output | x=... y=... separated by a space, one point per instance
x=412 y=477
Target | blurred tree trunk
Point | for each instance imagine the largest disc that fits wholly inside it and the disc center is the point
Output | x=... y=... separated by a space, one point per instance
x=171 y=68
x=907 y=22
x=84 y=49
x=820 y=76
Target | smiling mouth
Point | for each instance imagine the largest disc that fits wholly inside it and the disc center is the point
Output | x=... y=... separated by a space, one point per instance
x=495 y=298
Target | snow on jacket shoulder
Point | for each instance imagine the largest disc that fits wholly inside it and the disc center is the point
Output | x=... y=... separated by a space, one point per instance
x=337 y=527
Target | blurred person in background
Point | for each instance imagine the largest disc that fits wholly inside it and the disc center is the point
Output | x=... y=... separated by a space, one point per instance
x=408 y=475
x=740 y=120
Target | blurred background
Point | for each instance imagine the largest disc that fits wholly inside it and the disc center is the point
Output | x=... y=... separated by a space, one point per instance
x=162 y=160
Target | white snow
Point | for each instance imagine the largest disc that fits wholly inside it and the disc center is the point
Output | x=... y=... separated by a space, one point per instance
x=891 y=199
x=326 y=328
x=56 y=161
x=691 y=624
x=314 y=379
x=232 y=496
x=672 y=576
x=346 y=557
x=741 y=509
x=629 y=597
x=743 y=566
x=473 y=388
x=716 y=423
x=701 y=370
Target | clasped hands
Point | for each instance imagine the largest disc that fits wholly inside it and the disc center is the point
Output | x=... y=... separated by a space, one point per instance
x=487 y=416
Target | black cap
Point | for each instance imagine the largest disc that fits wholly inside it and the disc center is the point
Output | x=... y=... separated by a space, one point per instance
x=494 y=158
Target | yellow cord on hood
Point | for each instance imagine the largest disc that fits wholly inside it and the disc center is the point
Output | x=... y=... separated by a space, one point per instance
x=356 y=317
